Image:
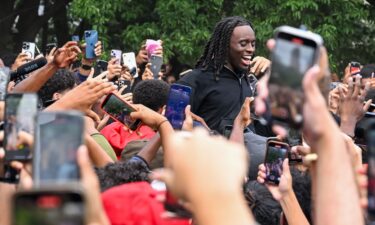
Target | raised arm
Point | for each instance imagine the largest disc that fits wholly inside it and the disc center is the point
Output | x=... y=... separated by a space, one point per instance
x=63 y=57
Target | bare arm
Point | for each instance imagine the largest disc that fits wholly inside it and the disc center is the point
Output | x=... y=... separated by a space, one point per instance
x=62 y=58
x=292 y=210
x=6 y=192
x=149 y=151
x=37 y=79
x=242 y=120
x=97 y=155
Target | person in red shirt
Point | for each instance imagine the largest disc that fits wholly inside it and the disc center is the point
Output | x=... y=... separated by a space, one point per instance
x=151 y=93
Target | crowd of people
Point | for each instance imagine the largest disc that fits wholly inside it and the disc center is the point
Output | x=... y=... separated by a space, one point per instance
x=158 y=175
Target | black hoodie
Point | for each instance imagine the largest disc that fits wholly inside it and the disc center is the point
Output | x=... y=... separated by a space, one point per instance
x=217 y=101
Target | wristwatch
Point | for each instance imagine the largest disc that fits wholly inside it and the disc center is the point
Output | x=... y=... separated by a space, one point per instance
x=86 y=67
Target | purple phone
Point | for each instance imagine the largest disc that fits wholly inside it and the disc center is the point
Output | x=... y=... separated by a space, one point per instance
x=179 y=98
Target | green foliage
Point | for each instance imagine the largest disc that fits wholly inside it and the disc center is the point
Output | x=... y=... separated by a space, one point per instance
x=347 y=26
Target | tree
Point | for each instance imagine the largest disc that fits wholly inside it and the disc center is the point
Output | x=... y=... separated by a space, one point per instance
x=185 y=25
x=19 y=21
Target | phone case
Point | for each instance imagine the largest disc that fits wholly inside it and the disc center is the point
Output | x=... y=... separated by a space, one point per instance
x=17 y=118
x=91 y=38
x=129 y=61
x=156 y=63
x=117 y=55
x=271 y=176
x=4 y=80
x=179 y=98
x=57 y=164
x=131 y=125
x=151 y=46
x=75 y=38
x=29 y=49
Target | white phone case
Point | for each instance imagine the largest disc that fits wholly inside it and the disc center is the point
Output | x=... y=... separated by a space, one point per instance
x=129 y=61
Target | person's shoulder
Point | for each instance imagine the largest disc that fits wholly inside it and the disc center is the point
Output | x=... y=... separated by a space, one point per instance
x=194 y=75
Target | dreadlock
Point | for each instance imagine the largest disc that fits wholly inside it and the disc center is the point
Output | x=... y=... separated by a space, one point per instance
x=216 y=50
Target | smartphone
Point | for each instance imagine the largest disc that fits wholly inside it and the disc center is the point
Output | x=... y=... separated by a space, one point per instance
x=48 y=206
x=100 y=67
x=117 y=55
x=179 y=98
x=294 y=138
x=91 y=38
x=49 y=47
x=171 y=205
x=295 y=52
x=121 y=83
x=4 y=80
x=129 y=61
x=20 y=111
x=370 y=141
x=151 y=46
x=120 y=111
x=29 y=49
x=9 y=175
x=355 y=68
x=57 y=138
x=156 y=63
x=276 y=152
x=75 y=38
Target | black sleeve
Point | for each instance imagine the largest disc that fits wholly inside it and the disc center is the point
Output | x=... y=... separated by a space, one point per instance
x=190 y=80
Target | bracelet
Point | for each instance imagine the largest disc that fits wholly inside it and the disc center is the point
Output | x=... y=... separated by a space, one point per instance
x=86 y=67
x=161 y=123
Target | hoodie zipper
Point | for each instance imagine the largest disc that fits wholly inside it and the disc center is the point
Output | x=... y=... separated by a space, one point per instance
x=239 y=81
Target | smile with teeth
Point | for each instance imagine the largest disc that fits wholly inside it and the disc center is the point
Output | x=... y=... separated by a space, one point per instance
x=246 y=59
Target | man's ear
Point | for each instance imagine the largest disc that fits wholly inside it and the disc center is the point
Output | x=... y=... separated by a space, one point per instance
x=56 y=96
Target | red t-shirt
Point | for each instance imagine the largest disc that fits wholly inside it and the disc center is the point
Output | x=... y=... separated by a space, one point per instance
x=119 y=136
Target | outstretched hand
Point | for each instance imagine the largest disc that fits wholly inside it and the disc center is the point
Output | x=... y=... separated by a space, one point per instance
x=285 y=185
x=84 y=96
x=65 y=55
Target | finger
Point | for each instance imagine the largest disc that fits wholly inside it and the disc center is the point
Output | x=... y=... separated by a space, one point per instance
x=262 y=175
x=255 y=68
x=91 y=74
x=70 y=44
x=271 y=43
x=122 y=90
x=164 y=175
x=310 y=85
x=365 y=90
x=84 y=162
x=341 y=94
x=367 y=105
x=265 y=66
x=98 y=44
x=148 y=66
x=93 y=116
x=280 y=131
x=260 y=100
x=75 y=49
x=262 y=168
x=260 y=180
x=2 y=153
x=101 y=76
x=350 y=86
x=286 y=170
x=357 y=86
x=16 y=165
x=301 y=150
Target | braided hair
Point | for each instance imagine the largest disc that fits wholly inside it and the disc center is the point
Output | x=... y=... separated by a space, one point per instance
x=217 y=48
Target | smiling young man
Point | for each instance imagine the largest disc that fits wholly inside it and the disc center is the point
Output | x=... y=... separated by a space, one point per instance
x=220 y=81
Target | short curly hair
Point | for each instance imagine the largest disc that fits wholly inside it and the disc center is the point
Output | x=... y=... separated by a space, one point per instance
x=118 y=173
x=151 y=93
x=61 y=81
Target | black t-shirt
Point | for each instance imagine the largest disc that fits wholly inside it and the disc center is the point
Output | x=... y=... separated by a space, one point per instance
x=217 y=101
